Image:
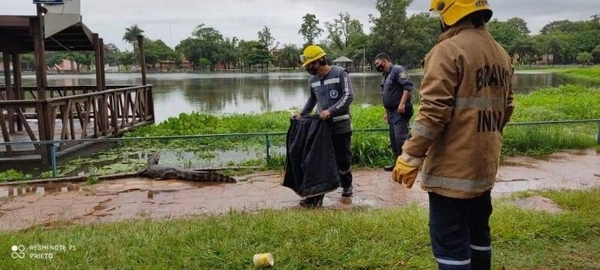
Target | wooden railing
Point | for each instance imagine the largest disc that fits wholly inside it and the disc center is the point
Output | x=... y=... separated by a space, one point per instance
x=76 y=113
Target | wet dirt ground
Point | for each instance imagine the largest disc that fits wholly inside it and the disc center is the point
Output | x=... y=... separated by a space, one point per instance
x=48 y=205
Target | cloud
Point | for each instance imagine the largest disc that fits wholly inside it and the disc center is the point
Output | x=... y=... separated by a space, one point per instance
x=174 y=20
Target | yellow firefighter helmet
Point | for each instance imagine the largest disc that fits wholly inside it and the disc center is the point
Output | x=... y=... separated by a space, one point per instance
x=453 y=11
x=311 y=54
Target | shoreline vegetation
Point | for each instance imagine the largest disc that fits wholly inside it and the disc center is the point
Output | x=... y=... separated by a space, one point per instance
x=370 y=149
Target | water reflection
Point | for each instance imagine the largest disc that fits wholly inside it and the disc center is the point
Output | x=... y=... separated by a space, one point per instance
x=226 y=93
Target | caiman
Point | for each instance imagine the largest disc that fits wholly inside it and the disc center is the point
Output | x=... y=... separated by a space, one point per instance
x=162 y=172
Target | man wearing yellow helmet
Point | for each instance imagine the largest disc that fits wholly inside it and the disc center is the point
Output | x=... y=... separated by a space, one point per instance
x=331 y=93
x=466 y=101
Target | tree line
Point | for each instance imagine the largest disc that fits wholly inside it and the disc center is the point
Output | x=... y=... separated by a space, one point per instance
x=405 y=38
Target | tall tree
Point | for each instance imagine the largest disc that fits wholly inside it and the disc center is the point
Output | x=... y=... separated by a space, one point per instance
x=80 y=58
x=424 y=30
x=53 y=59
x=265 y=38
x=550 y=45
x=525 y=47
x=342 y=29
x=506 y=32
x=584 y=58
x=596 y=55
x=254 y=54
x=289 y=56
x=388 y=29
x=131 y=34
x=190 y=49
x=128 y=58
x=113 y=57
x=228 y=52
x=208 y=41
x=520 y=25
x=310 y=29
x=158 y=52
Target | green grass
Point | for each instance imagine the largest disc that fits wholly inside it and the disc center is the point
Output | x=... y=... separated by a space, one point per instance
x=568 y=102
x=592 y=73
x=324 y=239
x=370 y=149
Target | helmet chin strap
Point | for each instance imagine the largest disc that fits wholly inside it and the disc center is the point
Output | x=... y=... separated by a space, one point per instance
x=443 y=26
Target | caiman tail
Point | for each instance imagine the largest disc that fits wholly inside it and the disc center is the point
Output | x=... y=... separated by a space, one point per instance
x=163 y=172
x=206 y=176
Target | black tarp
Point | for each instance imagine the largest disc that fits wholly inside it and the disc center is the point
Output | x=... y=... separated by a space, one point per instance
x=310 y=167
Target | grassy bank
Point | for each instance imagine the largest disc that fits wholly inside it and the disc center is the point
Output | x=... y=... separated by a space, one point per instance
x=568 y=102
x=369 y=149
x=324 y=239
x=592 y=73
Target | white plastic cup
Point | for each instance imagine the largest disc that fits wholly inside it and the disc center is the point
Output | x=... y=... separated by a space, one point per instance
x=263 y=260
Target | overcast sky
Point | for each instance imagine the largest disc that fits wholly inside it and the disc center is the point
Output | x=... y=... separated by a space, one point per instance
x=174 y=20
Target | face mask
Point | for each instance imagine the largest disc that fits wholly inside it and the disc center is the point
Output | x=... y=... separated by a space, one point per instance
x=379 y=68
x=312 y=70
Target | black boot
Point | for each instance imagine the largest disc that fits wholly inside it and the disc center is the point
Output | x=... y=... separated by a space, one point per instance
x=312 y=202
x=347 y=192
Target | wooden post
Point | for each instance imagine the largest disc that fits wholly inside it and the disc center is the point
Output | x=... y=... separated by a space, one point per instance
x=97 y=61
x=105 y=98
x=102 y=58
x=19 y=95
x=149 y=98
x=10 y=94
x=142 y=58
x=37 y=29
x=99 y=115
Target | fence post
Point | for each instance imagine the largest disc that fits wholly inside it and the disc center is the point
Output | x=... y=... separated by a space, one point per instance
x=53 y=159
x=598 y=138
x=268 y=147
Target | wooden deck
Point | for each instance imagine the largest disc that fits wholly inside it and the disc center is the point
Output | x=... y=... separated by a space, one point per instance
x=72 y=116
x=65 y=114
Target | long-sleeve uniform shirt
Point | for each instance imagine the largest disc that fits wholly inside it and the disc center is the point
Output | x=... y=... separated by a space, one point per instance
x=332 y=92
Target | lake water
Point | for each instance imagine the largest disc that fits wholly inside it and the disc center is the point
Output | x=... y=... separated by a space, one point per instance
x=226 y=93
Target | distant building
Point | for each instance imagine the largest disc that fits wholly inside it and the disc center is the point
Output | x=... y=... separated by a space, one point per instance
x=2 y=66
x=65 y=65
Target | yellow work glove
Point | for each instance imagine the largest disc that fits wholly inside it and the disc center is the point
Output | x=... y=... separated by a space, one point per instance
x=406 y=170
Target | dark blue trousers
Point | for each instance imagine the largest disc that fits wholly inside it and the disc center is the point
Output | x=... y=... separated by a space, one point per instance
x=460 y=231
x=398 y=129
x=343 y=157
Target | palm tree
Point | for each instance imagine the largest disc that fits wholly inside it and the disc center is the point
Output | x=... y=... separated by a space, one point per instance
x=131 y=35
x=289 y=56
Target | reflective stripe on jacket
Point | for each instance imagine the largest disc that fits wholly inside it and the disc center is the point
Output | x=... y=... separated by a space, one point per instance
x=466 y=100
x=332 y=92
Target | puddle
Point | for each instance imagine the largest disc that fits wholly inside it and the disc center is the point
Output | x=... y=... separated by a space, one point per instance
x=68 y=203
x=39 y=189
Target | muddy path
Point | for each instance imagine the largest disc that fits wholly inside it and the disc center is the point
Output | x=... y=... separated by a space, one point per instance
x=48 y=205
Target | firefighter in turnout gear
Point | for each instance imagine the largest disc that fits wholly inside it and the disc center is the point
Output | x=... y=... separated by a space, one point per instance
x=466 y=101
x=331 y=93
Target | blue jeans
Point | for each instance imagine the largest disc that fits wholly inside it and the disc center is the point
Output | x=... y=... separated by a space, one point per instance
x=460 y=231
